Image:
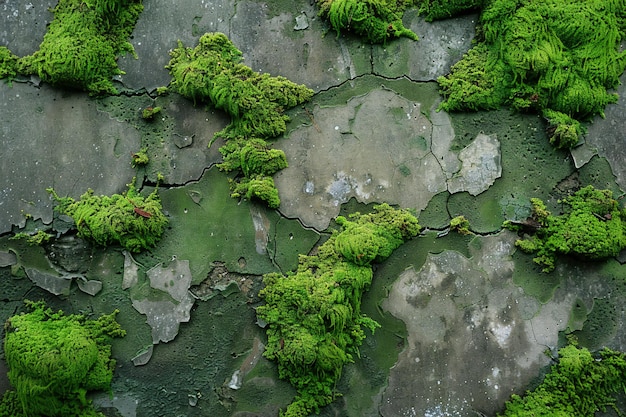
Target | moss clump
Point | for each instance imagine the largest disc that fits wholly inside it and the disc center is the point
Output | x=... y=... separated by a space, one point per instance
x=315 y=324
x=54 y=360
x=442 y=9
x=82 y=43
x=461 y=225
x=578 y=385
x=135 y=222
x=8 y=63
x=591 y=228
x=560 y=58
x=375 y=20
x=36 y=239
x=212 y=72
x=149 y=112
x=140 y=158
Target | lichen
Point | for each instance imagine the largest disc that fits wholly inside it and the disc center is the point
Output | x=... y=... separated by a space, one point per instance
x=54 y=360
x=592 y=228
x=212 y=72
x=134 y=222
x=315 y=324
x=375 y=20
x=560 y=58
x=80 y=48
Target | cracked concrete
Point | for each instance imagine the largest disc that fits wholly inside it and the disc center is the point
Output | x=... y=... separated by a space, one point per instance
x=378 y=147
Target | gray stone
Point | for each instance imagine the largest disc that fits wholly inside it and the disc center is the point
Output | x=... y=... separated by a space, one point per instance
x=470 y=346
x=144 y=356
x=91 y=287
x=85 y=149
x=340 y=157
x=7 y=258
x=131 y=269
x=171 y=304
x=174 y=279
x=481 y=166
x=55 y=284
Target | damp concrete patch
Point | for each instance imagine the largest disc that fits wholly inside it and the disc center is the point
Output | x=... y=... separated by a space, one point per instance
x=467 y=339
x=164 y=314
x=84 y=150
x=480 y=166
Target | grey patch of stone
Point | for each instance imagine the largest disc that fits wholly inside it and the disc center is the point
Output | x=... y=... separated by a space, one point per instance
x=262 y=227
x=70 y=253
x=7 y=258
x=131 y=269
x=24 y=24
x=472 y=334
x=481 y=166
x=144 y=356
x=91 y=287
x=441 y=44
x=302 y=22
x=164 y=314
x=605 y=137
x=124 y=403
x=378 y=147
x=85 y=149
x=53 y=283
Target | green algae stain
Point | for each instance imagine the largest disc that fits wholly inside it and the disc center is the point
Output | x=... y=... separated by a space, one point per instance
x=216 y=228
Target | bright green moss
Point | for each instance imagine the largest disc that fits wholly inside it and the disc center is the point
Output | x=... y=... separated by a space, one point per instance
x=54 y=360
x=579 y=384
x=260 y=188
x=375 y=20
x=461 y=225
x=442 y=9
x=212 y=72
x=134 y=222
x=560 y=58
x=82 y=43
x=150 y=112
x=140 y=158
x=592 y=227
x=8 y=63
x=315 y=324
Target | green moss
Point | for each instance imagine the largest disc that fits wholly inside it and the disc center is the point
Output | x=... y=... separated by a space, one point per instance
x=315 y=324
x=375 y=20
x=82 y=43
x=461 y=225
x=212 y=72
x=579 y=384
x=36 y=239
x=149 y=112
x=8 y=63
x=55 y=359
x=442 y=9
x=140 y=158
x=592 y=228
x=135 y=222
x=560 y=58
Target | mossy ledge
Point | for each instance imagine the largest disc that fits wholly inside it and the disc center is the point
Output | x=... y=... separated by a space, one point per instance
x=593 y=227
x=315 y=324
x=212 y=73
x=80 y=48
x=54 y=360
x=129 y=219
x=375 y=20
x=560 y=58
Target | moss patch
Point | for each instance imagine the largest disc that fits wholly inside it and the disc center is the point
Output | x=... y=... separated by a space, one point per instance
x=560 y=58
x=55 y=359
x=315 y=325
x=375 y=20
x=212 y=72
x=82 y=44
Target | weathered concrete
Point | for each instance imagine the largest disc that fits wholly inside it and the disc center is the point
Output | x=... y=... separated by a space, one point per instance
x=52 y=138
